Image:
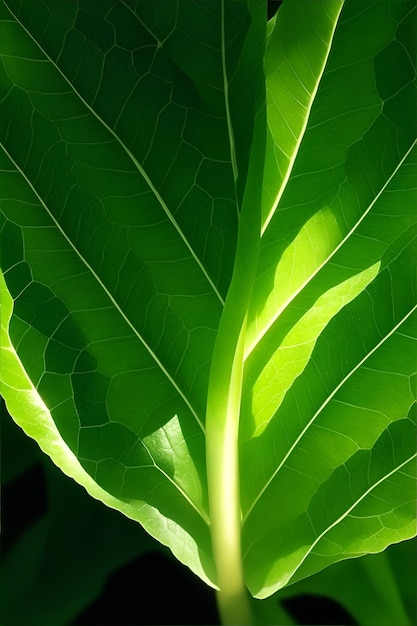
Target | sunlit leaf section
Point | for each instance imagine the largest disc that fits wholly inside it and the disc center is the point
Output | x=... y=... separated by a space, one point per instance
x=293 y=354
x=301 y=258
x=294 y=62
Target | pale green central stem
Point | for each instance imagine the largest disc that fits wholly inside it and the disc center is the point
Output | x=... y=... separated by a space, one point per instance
x=224 y=396
x=223 y=470
x=222 y=428
x=222 y=424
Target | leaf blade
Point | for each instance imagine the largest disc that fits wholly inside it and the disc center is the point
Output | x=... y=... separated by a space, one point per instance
x=365 y=210
x=293 y=74
x=116 y=281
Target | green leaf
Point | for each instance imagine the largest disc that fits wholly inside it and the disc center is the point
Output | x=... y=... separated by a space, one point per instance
x=293 y=354
x=208 y=257
x=108 y=251
x=295 y=58
x=327 y=445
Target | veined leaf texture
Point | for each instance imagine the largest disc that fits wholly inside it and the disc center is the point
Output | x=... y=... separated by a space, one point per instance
x=141 y=143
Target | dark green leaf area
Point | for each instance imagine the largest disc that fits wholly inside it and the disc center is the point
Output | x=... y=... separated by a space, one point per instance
x=20 y=274
x=12 y=245
x=395 y=62
x=148 y=90
x=90 y=397
x=115 y=442
x=395 y=82
x=59 y=358
x=106 y=378
x=111 y=237
x=94 y=362
x=97 y=29
x=187 y=318
x=375 y=24
x=40 y=308
x=394 y=67
x=12 y=248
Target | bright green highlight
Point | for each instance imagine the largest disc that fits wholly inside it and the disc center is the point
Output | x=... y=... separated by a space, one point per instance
x=293 y=354
x=301 y=259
